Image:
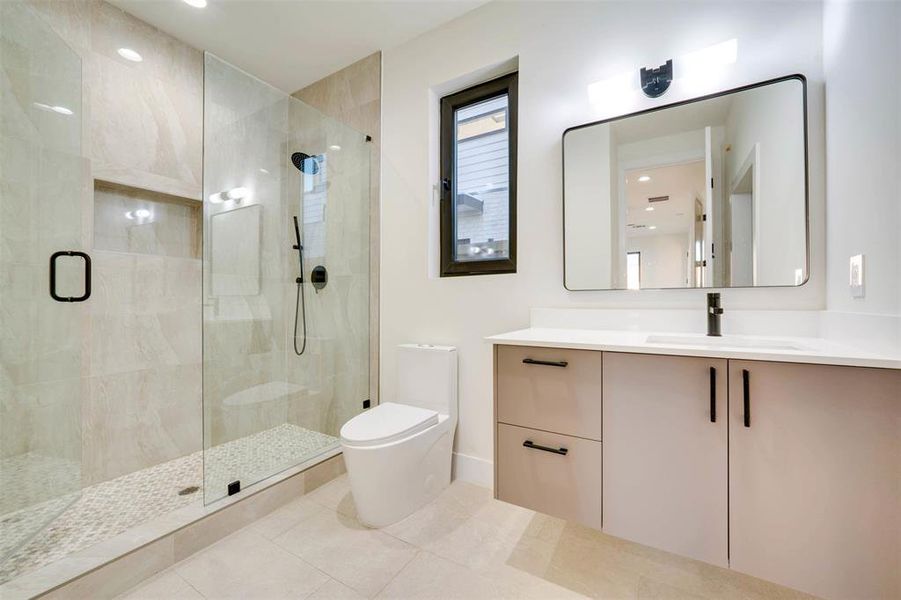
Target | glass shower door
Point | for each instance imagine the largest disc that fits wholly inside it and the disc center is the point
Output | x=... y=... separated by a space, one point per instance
x=41 y=321
x=286 y=362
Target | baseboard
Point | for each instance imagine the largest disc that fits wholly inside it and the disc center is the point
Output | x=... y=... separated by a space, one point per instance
x=473 y=470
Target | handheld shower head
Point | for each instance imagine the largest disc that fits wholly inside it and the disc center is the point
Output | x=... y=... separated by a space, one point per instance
x=305 y=163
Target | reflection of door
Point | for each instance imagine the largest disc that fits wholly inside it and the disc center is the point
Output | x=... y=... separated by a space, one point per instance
x=43 y=276
x=741 y=256
x=698 y=249
x=708 y=256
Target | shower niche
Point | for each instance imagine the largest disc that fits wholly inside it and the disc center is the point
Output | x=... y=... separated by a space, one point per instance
x=141 y=221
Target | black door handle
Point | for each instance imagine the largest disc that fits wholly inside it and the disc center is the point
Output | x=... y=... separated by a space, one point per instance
x=713 y=394
x=534 y=446
x=546 y=363
x=87 y=276
x=746 y=393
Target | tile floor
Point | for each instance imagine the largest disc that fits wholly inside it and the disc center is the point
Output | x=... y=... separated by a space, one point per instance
x=99 y=512
x=463 y=545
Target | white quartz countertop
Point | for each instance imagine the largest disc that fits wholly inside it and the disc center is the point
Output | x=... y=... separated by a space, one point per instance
x=746 y=347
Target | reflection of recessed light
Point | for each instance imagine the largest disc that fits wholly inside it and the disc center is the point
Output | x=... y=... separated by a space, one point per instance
x=489 y=251
x=62 y=110
x=235 y=194
x=649 y=209
x=264 y=171
x=129 y=54
x=140 y=214
x=196 y=3
x=335 y=147
x=644 y=178
x=652 y=227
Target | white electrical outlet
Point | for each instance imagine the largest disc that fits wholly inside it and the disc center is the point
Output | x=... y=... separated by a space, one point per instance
x=856 y=276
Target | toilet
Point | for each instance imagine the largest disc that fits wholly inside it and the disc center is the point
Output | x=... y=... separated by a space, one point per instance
x=398 y=454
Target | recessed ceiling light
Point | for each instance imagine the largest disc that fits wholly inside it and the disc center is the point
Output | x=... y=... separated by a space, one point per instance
x=649 y=209
x=129 y=54
x=652 y=227
x=196 y=3
x=644 y=178
x=334 y=147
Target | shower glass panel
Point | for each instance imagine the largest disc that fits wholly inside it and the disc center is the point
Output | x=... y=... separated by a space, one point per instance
x=42 y=174
x=266 y=407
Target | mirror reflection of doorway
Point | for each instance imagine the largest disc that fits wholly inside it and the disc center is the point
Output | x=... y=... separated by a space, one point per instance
x=742 y=244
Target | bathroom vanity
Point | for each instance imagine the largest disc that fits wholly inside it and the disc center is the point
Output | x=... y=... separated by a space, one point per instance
x=780 y=462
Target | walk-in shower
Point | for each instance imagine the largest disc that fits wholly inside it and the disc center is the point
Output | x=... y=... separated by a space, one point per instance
x=175 y=382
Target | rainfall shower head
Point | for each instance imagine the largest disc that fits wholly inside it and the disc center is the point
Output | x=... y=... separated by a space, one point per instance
x=305 y=163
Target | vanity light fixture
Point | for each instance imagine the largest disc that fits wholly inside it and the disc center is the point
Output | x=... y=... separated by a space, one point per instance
x=196 y=3
x=701 y=71
x=655 y=81
x=129 y=54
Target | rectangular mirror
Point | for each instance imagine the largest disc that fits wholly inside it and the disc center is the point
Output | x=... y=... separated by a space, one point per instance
x=710 y=192
x=235 y=251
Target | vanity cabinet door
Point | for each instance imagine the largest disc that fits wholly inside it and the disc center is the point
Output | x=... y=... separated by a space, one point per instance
x=665 y=452
x=815 y=477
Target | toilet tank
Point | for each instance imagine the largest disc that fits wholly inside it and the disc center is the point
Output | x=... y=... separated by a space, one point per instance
x=427 y=377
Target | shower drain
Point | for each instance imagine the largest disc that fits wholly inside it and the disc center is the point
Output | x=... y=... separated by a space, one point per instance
x=188 y=490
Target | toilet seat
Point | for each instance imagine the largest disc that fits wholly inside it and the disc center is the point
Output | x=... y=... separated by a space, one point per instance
x=386 y=423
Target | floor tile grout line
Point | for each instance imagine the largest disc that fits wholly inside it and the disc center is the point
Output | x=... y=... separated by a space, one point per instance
x=399 y=571
x=304 y=561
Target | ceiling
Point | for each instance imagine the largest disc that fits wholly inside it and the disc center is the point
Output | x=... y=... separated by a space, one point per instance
x=682 y=183
x=292 y=43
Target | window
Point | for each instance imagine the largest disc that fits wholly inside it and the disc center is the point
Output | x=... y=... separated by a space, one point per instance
x=478 y=179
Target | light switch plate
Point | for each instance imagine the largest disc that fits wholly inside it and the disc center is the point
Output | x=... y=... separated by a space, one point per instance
x=856 y=276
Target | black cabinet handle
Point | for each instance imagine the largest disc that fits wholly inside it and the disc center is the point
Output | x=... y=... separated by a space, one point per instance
x=534 y=446
x=546 y=363
x=746 y=391
x=87 y=276
x=713 y=394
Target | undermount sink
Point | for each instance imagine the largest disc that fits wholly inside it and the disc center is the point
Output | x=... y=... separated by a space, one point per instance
x=726 y=341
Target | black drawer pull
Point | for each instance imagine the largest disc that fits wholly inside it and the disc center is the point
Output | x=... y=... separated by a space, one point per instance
x=546 y=363
x=746 y=389
x=713 y=394
x=87 y=276
x=534 y=446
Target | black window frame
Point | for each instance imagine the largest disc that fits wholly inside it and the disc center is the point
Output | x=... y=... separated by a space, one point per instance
x=505 y=85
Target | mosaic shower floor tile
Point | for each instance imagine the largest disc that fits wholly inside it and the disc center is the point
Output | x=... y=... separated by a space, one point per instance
x=104 y=510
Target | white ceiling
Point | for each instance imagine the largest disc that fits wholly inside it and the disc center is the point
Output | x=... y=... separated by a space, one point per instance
x=292 y=43
x=682 y=183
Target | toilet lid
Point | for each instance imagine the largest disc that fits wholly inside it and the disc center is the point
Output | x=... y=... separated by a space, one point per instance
x=387 y=422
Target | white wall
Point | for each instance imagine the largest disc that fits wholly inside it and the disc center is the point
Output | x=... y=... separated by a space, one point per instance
x=561 y=49
x=771 y=118
x=663 y=259
x=862 y=61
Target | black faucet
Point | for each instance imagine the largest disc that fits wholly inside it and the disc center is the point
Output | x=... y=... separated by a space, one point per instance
x=713 y=314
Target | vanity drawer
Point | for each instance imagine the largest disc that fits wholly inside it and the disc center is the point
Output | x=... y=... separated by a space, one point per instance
x=556 y=474
x=552 y=397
